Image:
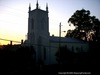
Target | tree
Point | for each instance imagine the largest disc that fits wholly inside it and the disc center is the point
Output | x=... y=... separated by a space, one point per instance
x=69 y=33
x=86 y=26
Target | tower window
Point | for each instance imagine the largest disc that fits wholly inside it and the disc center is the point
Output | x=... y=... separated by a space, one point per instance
x=72 y=49
x=42 y=23
x=32 y=23
x=44 y=53
x=33 y=37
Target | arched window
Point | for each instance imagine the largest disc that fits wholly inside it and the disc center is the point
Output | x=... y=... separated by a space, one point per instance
x=39 y=40
x=33 y=37
x=39 y=46
x=72 y=49
x=42 y=23
x=32 y=23
x=44 y=53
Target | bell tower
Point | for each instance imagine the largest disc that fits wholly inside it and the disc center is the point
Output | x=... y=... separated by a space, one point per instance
x=38 y=31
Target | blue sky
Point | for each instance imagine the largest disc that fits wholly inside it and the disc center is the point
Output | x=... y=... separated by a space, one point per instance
x=14 y=15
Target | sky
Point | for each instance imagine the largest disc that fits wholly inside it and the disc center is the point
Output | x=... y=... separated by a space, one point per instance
x=14 y=16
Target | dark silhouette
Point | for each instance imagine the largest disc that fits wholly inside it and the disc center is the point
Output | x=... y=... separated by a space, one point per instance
x=81 y=61
x=17 y=59
x=85 y=26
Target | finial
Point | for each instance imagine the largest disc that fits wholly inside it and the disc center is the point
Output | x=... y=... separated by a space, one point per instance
x=46 y=6
x=29 y=6
x=37 y=5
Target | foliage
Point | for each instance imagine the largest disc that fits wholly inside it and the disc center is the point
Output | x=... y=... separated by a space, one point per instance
x=86 y=26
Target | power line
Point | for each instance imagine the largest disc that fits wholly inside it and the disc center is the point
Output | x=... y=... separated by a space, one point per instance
x=10 y=40
x=14 y=15
x=14 y=11
x=12 y=8
x=10 y=13
x=8 y=22
x=29 y=43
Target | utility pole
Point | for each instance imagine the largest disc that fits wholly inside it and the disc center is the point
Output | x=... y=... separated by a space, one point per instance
x=59 y=34
x=59 y=39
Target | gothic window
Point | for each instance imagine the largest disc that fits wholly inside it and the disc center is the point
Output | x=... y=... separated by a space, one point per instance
x=72 y=49
x=39 y=40
x=42 y=23
x=39 y=47
x=30 y=35
x=32 y=23
x=33 y=37
x=44 y=53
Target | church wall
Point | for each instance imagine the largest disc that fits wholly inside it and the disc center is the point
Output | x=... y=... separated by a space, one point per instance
x=53 y=49
x=75 y=47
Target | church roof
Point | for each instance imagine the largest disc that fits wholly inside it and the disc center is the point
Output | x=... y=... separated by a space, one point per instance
x=38 y=10
x=66 y=40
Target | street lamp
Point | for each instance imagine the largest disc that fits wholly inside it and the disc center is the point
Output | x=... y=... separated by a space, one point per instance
x=64 y=31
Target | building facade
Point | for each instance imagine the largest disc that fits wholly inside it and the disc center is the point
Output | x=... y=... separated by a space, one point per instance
x=38 y=31
x=45 y=45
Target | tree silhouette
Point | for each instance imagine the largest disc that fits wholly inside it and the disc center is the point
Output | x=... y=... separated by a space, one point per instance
x=69 y=33
x=85 y=25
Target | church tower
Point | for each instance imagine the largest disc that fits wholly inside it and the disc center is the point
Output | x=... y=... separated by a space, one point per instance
x=38 y=31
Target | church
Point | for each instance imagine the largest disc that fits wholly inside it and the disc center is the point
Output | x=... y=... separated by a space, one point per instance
x=45 y=45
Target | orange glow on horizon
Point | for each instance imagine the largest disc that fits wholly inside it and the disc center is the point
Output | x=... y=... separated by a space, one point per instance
x=2 y=42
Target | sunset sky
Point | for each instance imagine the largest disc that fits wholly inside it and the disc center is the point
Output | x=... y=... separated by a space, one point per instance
x=14 y=15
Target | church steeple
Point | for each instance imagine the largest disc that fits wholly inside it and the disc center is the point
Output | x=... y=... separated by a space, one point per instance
x=47 y=7
x=29 y=7
x=37 y=5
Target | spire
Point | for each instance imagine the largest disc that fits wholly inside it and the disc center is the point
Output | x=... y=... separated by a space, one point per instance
x=46 y=6
x=29 y=7
x=37 y=5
